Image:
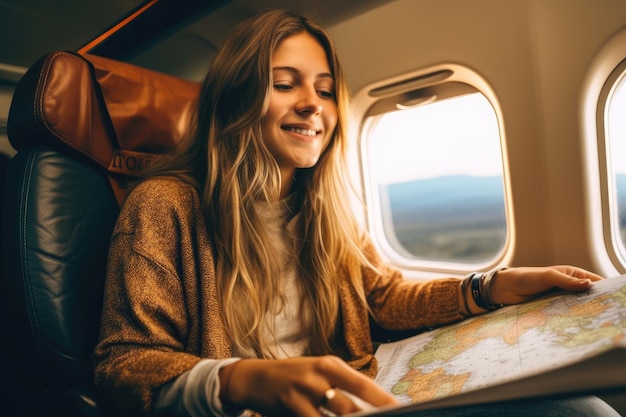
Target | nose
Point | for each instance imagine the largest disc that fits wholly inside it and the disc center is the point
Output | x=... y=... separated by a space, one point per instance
x=310 y=102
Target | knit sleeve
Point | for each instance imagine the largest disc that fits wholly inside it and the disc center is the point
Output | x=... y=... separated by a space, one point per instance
x=145 y=323
x=400 y=303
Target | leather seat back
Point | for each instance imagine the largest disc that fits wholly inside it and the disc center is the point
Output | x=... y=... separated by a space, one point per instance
x=82 y=126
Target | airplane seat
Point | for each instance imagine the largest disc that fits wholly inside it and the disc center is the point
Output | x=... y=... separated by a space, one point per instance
x=4 y=378
x=82 y=125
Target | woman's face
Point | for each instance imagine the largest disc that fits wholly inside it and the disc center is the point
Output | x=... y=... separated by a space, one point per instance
x=302 y=112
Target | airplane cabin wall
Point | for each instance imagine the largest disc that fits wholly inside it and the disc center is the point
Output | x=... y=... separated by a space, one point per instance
x=535 y=56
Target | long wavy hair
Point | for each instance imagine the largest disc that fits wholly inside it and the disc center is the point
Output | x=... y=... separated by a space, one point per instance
x=225 y=157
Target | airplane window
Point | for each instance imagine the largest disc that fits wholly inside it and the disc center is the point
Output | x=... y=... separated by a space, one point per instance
x=435 y=166
x=615 y=128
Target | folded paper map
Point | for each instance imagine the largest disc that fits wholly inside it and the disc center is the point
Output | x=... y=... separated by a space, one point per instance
x=565 y=343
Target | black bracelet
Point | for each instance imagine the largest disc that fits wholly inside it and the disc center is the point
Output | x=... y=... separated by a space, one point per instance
x=480 y=284
x=485 y=288
x=476 y=291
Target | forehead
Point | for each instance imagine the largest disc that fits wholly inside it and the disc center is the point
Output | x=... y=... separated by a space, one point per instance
x=301 y=51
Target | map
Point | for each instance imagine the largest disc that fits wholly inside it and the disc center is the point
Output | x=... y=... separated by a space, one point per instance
x=512 y=343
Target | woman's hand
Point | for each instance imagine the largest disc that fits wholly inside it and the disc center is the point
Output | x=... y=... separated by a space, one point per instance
x=296 y=386
x=516 y=285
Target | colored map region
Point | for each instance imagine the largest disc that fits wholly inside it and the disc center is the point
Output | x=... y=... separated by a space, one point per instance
x=507 y=344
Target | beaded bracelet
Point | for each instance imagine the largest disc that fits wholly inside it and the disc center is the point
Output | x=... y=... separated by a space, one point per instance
x=480 y=285
x=486 y=288
x=464 y=285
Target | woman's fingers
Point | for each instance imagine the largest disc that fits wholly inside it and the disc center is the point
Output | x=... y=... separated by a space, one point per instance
x=301 y=386
x=565 y=277
x=340 y=402
x=340 y=375
x=516 y=285
x=577 y=273
x=299 y=404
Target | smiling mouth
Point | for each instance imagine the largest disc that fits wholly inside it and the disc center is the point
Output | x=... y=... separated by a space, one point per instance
x=305 y=132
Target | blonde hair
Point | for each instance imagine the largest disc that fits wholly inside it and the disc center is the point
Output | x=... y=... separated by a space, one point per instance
x=226 y=158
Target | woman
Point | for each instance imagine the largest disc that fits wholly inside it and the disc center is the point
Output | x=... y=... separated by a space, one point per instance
x=237 y=277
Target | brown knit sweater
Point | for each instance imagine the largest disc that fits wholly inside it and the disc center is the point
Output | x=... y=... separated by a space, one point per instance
x=161 y=313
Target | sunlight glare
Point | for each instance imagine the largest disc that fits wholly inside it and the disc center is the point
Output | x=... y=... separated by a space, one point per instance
x=458 y=136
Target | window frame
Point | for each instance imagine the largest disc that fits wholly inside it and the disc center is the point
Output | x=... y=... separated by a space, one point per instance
x=414 y=87
x=606 y=256
x=616 y=248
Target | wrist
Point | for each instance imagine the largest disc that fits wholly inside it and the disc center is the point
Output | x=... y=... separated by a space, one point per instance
x=476 y=293
x=481 y=291
x=226 y=383
x=465 y=309
x=468 y=303
x=495 y=298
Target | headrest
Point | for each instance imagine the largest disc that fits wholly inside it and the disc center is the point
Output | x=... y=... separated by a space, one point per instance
x=119 y=115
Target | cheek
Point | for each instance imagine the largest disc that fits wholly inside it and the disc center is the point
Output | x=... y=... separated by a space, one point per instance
x=329 y=137
x=330 y=117
x=269 y=118
x=270 y=125
x=330 y=122
x=273 y=111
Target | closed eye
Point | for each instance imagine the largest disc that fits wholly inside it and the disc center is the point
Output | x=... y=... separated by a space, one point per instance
x=283 y=87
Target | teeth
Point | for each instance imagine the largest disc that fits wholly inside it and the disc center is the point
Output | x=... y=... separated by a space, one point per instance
x=307 y=132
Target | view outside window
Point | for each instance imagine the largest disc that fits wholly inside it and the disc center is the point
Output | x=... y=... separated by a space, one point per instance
x=616 y=136
x=437 y=171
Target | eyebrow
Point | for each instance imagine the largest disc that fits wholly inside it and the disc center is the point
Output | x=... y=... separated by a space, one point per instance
x=295 y=71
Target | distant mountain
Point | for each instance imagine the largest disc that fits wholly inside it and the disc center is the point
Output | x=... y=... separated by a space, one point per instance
x=456 y=218
x=459 y=197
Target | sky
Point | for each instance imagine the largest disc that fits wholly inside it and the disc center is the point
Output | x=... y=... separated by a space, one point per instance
x=458 y=136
